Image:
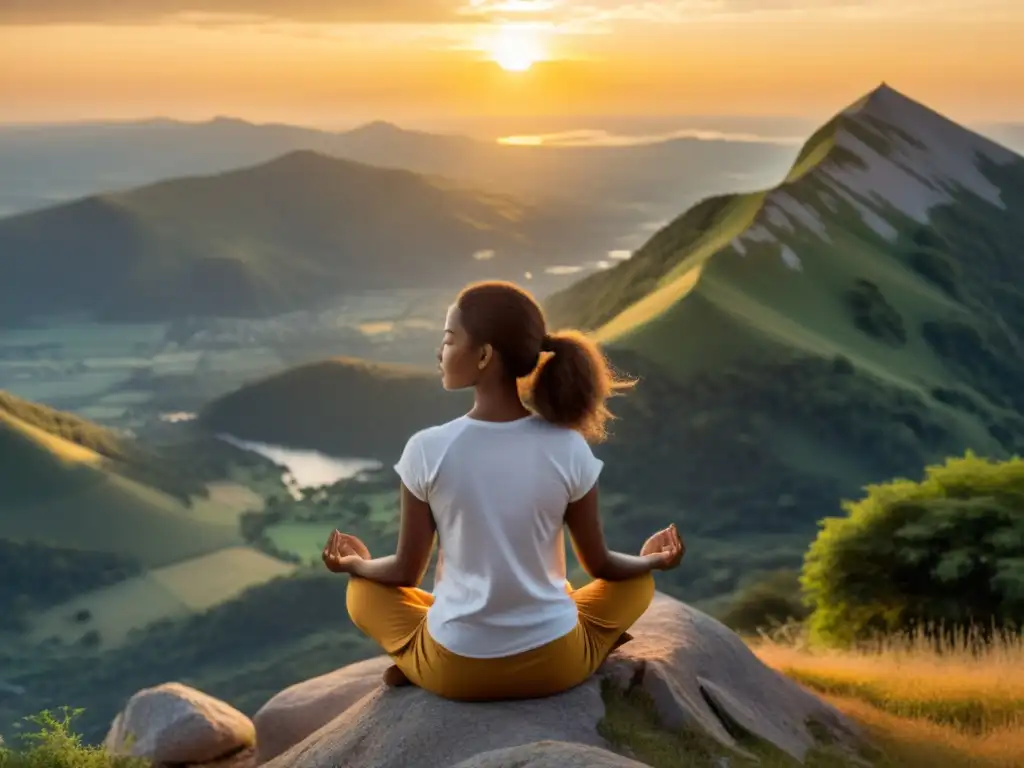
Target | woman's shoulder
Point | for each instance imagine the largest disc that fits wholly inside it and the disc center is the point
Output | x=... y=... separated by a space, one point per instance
x=435 y=435
x=562 y=439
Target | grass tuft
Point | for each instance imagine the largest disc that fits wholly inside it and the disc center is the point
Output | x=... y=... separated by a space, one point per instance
x=56 y=745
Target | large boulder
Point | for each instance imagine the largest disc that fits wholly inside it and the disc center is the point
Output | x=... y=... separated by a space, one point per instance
x=550 y=754
x=700 y=675
x=175 y=724
x=401 y=727
x=297 y=711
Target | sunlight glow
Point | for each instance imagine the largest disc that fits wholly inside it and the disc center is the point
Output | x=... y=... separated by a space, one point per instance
x=516 y=47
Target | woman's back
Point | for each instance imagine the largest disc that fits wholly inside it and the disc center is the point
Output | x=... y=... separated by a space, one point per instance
x=497 y=486
x=498 y=492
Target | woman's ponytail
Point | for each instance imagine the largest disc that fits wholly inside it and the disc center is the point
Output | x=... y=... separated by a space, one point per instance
x=572 y=383
x=563 y=376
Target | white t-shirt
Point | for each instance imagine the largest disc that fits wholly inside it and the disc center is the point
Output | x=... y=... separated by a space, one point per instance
x=498 y=492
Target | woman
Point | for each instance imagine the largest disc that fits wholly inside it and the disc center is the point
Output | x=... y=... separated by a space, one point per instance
x=497 y=486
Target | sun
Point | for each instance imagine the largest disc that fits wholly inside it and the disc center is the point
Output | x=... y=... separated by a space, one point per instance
x=516 y=48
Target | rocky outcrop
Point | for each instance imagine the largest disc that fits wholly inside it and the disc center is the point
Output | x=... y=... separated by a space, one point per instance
x=550 y=754
x=401 y=727
x=700 y=676
x=175 y=724
x=698 y=673
x=703 y=677
x=298 y=711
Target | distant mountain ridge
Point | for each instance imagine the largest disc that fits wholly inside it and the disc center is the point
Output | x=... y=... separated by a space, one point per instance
x=46 y=164
x=274 y=237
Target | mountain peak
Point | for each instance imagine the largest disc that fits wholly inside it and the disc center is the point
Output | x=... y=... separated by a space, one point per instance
x=901 y=153
x=378 y=127
x=887 y=103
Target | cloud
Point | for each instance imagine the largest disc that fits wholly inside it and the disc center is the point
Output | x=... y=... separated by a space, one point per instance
x=36 y=12
x=601 y=138
x=603 y=12
x=583 y=15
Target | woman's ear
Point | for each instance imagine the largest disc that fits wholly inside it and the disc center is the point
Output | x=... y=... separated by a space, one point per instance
x=486 y=354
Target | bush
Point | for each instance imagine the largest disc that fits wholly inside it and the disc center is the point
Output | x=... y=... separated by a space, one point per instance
x=772 y=600
x=874 y=315
x=941 y=556
x=55 y=745
x=938 y=269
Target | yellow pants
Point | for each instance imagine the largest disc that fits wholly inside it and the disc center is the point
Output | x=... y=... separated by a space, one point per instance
x=395 y=617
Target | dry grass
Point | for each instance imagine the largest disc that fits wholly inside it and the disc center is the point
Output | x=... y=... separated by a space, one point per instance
x=925 y=706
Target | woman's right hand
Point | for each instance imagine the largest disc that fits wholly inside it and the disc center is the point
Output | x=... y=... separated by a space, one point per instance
x=665 y=549
x=343 y=549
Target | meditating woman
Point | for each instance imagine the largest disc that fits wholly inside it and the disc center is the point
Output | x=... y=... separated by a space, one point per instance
x=497 y=486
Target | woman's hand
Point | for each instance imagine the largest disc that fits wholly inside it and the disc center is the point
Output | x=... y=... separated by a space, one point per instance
x=665 y=549
x=342 y=551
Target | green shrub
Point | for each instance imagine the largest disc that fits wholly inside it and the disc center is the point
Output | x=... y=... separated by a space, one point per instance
x=938 y=269
x=942 y=555
x=56 y=745
x=874 y=315
x=773 y=599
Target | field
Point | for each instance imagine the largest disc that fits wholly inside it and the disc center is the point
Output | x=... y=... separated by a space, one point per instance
x=306 y=540
x=175 y=591
x=949 y=708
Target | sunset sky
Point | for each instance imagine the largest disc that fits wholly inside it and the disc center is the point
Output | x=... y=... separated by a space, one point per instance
x=333 y=62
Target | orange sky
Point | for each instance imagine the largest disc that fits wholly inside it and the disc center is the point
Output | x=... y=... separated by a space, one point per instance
x=306 y=61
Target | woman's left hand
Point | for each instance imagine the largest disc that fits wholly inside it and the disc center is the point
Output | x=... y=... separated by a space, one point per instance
x=342 y=551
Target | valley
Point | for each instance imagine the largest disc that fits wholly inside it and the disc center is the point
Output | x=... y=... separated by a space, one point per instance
x=196 y=435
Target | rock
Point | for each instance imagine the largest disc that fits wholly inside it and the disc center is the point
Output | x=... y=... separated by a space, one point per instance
x=699 y=674
x=297 y=711
x=401 y=727
x=244 y=759
x=702 y=676
x=172 y=723
x=550 y=754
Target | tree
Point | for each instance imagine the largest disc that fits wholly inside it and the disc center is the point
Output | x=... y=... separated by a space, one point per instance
x=944 y=552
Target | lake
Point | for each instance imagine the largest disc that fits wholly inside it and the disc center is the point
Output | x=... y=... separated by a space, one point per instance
x=306 y=468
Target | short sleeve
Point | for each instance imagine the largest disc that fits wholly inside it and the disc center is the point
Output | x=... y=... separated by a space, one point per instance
x=412 y=467
x=584 y=466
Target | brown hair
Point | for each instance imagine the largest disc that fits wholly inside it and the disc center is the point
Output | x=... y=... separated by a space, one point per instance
x=568 y=385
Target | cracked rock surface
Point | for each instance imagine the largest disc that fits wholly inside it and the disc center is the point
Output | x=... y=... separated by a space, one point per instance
x=702 y=676
x=699 y=674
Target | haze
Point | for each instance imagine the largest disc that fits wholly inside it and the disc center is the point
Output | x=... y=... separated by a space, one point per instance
x=417 y=61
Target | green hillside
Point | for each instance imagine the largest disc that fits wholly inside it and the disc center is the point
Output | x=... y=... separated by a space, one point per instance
x=59 y=493
x=265 y=239
x=96 y=547
x=343 y=407
x=63 y=425
x=856 y=322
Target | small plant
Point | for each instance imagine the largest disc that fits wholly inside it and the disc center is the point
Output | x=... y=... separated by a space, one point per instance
x=56 y=745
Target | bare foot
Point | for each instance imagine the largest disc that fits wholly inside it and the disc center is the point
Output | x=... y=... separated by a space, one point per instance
x=395 y=678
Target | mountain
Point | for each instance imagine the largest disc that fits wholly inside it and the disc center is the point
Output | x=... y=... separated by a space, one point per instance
x=343 y=407
x=270 y=238
x=52 y=163
x=851 y=324
x=854 y=323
